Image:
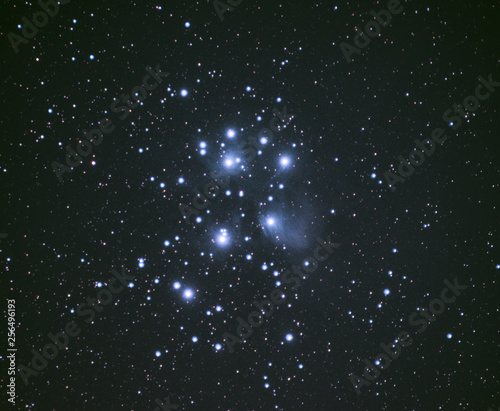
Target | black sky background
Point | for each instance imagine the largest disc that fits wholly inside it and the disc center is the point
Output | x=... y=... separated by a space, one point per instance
x=111 y=214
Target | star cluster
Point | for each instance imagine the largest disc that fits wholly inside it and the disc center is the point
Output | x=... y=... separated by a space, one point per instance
x=207 y=190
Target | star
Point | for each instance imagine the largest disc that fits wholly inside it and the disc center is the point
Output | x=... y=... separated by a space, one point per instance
x=223 y=238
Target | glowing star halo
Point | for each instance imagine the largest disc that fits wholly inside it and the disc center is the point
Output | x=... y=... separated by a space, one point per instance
x=285 y=161
x=223 y=238
x=188 y=294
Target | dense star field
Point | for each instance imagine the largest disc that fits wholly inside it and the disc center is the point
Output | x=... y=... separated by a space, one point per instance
x=235 y=205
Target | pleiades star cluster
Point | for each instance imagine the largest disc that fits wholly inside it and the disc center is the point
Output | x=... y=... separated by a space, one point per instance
x=235 y=205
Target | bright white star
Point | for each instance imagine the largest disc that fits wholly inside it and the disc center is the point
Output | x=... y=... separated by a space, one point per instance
x=223 y=239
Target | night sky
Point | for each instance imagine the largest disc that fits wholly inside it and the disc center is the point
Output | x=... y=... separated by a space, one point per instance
x=209 y=205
